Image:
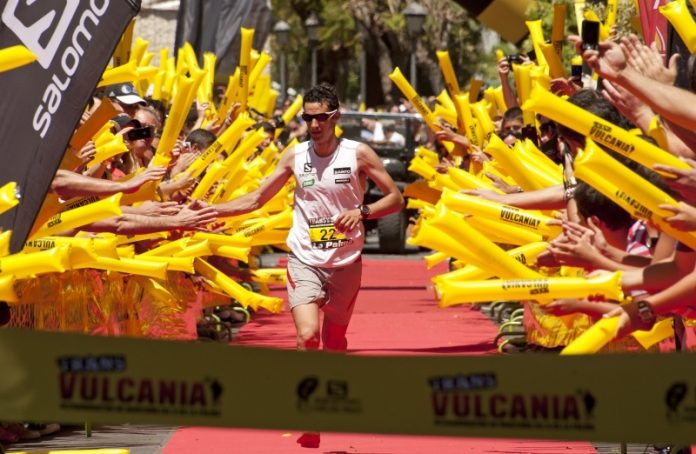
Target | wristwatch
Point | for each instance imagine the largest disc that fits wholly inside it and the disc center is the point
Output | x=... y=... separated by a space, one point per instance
x=646 y=314
x=364 y=211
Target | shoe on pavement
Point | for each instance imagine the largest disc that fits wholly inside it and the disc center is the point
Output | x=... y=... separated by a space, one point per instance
x=45 y=429
x=309 y=440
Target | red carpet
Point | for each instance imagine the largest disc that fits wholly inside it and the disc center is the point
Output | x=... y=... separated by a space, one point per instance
x=395 y=315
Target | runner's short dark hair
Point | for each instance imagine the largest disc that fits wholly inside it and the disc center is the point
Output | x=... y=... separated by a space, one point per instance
x=323 y=93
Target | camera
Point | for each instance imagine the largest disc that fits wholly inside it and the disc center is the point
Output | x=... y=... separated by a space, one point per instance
x=140 y=133
x=515 y=58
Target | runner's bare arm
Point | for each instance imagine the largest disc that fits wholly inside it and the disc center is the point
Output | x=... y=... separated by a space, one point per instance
x=370 y=165
x=269 y=187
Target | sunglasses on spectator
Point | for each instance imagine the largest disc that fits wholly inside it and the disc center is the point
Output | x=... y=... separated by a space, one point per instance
x=320 y=117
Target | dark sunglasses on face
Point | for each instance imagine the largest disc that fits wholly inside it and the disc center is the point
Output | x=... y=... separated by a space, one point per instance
x=320 y=117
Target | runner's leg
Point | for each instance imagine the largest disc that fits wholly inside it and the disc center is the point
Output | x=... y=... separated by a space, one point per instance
x=306 y=318
x=342 y=290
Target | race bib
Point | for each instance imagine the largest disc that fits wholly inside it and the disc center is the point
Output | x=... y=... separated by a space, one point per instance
x=323 y=235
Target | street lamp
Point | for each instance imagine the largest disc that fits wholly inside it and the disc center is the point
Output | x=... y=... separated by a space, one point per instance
x=312 y=26
x=415 y=18
x=282 y=32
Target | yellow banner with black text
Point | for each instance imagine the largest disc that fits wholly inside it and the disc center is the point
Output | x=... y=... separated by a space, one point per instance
x=73 y=378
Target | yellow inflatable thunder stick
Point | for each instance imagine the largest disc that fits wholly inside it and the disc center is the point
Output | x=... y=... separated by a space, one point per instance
x=526 y=255
x=195 y=249
x=611 y=11
x=421 y=191
x=229 y=97
x=543 y=290
x=662 y=330
x=78 y=217
x=503 y=233
x=245 y=297
x=233 y=163
x=445 y=231
x=543 y=173
x=556 y=69
x=474 y=89
x=414 y=98
x=596 y=337
x=129 y=266
x=432 y=260
x=558 y=30
x=9 y=196
x=23 y=266
x=480 y=111
x=244 y=67
x=123 y=48
x=527 y=178
x=5 y=238
x=657 y=132
x=213 y=174
x=290 y=113
x=95 y=245
x=466 y=180
x=86 y=131
x=526 y=219
x=677 y=13
x=224 y=144
x=630 y=191
x=431 y=157
x=217 y=240
x=279 y=220
x=175 y=120
x=184 y=264
x=601 y=131
x=523 y=84
x=14 y=57
x=536 y=34
x=465 y=120
x=7 y=292
x=270 y=276
x=447 y=69
x=127 y=72
x=435 y=180
x=108 y=150
x=261 y=63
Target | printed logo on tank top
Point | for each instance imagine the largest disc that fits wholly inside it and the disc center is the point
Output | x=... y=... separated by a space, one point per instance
x=342 y=171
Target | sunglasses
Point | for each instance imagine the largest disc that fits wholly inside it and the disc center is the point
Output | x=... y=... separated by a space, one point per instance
x=321 y=117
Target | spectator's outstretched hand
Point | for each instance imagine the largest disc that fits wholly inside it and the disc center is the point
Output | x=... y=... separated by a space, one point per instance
x=152 y=208
x=684 y=217
x=87 y=152
x=608 y=60
x=685 y=181
x=487 y=194
x=149 y=174
x=648 y=61
x=195 y=215
x=562 y=86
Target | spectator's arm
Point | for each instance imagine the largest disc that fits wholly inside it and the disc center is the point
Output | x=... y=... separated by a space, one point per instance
x=71 y=184
x=191 y=217
x=551 y=198
x=508 y=93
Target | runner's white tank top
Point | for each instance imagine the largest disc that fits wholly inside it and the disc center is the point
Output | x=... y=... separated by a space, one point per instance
x=325 y=187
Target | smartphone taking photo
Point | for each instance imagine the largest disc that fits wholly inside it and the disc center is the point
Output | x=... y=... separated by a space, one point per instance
x=590 y=34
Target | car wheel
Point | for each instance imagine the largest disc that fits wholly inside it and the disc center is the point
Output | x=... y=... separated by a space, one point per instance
x=391 y=231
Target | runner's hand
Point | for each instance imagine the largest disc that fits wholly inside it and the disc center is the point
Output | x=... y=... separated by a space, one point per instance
x=348 y=220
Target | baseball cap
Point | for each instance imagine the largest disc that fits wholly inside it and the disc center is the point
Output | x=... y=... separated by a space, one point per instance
x=124 y=93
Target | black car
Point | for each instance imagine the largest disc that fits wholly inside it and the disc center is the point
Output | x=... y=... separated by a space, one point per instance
x=396 y=155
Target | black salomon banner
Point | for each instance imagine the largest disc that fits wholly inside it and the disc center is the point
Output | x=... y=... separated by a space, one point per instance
x=42 y=102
